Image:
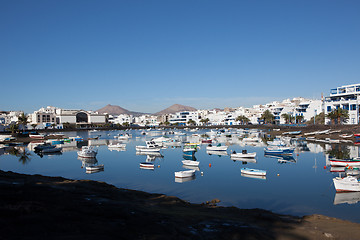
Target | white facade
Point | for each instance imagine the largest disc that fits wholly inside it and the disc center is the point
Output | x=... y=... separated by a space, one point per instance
x=9 y=117
x=122 y=118
x=52 y=115
x=184 y=117
x=345 y=97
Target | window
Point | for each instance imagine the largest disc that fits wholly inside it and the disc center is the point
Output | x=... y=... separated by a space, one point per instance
x=329 y=108
x=353 y=107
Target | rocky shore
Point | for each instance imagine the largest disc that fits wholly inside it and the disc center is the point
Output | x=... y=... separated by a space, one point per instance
x=40 y=207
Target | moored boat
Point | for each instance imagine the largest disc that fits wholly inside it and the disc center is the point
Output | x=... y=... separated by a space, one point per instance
x=243 y=154
x=151 y=146
x=218 y=147
x=347 y=184
x=147 y=165
x=279 y=150
x=87 y=152
x=345 y=162
x=252 y=171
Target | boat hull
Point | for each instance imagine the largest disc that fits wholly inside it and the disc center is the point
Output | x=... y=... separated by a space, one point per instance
x=251 y=171
x=184 y=174
x=347 y=184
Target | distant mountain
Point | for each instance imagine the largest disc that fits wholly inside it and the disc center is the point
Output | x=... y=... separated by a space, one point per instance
x=116 y=110
x=175 y=108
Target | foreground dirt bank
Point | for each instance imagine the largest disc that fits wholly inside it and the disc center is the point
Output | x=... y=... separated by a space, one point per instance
x=39 y=207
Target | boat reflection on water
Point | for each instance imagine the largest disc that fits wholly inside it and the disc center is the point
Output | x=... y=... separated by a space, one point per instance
x=150 y=156
x=337 y=169
x=253 y=176
x=282 y=158
x=191 y=167
x=219 y=153
x=91 y=165
x=346 y=197
x=244 y=160
x=185 y=179
x=190 y=156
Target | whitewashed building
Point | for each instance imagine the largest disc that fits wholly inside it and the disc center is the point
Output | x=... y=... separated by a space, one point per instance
x=182 y=118
x=345 y=97
x=52 y=115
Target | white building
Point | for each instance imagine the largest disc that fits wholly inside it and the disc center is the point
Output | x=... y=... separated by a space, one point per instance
x=52 y=115
x=182 y=118
x=8 y=117
x=122 y=118
x=345 y=97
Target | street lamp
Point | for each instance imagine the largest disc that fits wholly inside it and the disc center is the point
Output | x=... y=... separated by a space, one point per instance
x=315 y=116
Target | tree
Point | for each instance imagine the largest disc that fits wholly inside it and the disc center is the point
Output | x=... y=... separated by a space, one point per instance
x=34 y=125
x=205 y=121
x=23 y=120
x=242 y=119
x=287 y=117
x=338 y=115
x=191 y=122
x=166 y=123
x=299 y=119
x=126 y=124
x=268 y=117
x=13 y=128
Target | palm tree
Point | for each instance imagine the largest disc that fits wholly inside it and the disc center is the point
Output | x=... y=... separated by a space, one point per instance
x=339 y=115
x=21 y=153
x=205 y=121
x=191 y=122
x=267 y=116
x=13 y=128
x=242 y=119
x=23 y=120
x=299 y=118
x=287 y=117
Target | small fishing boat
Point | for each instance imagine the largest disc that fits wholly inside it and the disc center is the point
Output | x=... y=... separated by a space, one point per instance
x=147 y=165
x=218 y=147
x=37 y=136
x=41 y=147
x=279 y=150
x=253 y=176
x=184 y=174
x=252 y=171
x=87 y=152
x=191 y=163
x=206 y=141
x=151 y=146
x=347 y=184
x=345 y=162
x=243 y=154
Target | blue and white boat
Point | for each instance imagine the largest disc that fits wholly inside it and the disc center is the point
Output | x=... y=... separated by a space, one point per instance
x=279 y=150
x=252 y=171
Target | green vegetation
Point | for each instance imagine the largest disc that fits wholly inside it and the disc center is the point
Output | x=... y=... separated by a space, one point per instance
x=268 y=117
x=338 y=116
x=242 y=119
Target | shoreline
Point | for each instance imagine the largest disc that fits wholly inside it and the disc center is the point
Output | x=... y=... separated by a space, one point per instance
x=41 y=207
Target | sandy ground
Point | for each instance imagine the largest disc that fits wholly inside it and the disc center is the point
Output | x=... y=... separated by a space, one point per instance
x=39 y=207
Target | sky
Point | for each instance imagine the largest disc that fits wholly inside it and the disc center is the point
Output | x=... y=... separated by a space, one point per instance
x=145 y=55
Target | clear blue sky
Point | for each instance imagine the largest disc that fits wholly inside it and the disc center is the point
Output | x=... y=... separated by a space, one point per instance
x=147 y=55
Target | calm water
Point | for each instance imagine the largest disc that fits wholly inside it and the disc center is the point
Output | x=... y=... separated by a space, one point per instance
x=296 y=186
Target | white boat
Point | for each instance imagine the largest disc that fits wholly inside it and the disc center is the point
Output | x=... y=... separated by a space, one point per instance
x=347 y=184
x=216 y=148
x=184 y=174
x=151 y=146
x=345 y=162
x=87 y=152
x=243 y=154
x=191 y=163
x=252 y=171
x=253 y=176
x=147 y=165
